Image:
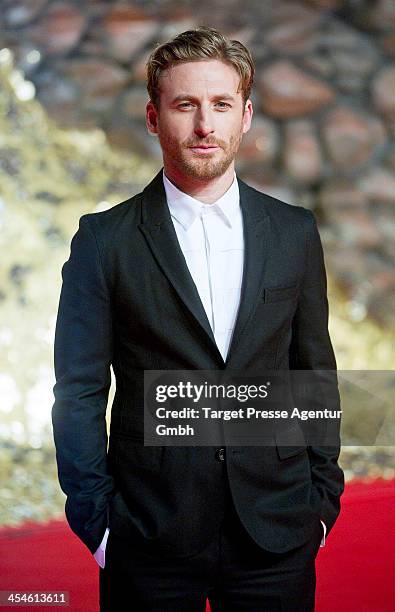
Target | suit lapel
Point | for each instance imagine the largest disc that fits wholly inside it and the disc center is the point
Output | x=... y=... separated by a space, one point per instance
x=158 y=229
x=256 y=224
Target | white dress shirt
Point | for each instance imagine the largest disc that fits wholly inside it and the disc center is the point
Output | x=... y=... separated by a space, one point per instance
x=212 y=241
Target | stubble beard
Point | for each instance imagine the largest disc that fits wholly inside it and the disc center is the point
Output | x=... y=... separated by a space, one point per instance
x=202 y=167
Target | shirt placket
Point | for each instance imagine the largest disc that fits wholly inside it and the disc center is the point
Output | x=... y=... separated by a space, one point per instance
x=204 y=216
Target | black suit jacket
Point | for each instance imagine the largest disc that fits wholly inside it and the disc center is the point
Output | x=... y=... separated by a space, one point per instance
x=129 y=300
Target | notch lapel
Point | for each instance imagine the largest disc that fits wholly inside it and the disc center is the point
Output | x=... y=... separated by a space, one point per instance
x=158 y=229
x=256 y=225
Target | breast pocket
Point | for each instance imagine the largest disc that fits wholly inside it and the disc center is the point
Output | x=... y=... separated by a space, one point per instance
x=279 y=294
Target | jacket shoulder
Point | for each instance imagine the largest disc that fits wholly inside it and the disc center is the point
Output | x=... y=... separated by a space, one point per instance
x=280 y=210
x=105 y=219
x=109 y=227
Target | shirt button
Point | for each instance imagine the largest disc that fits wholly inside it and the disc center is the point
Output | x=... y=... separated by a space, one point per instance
x=220 y=454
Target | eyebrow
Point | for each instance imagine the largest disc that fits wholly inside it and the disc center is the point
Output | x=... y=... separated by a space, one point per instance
x=224 y=96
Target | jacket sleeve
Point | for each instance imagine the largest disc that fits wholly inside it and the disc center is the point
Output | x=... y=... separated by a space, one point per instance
x=83 y=355
x=311 y=349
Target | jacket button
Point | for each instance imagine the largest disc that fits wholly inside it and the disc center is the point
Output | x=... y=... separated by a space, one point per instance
x=220 y=454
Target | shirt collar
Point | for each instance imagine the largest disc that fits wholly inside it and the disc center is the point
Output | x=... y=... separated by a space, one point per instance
x=184 y=208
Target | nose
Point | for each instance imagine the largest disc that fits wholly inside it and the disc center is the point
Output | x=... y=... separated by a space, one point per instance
x=203 y=123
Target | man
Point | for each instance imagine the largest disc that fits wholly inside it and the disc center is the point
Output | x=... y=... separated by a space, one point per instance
x=197 y=272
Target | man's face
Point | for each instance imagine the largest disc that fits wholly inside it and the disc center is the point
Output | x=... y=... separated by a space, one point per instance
x=201 y=118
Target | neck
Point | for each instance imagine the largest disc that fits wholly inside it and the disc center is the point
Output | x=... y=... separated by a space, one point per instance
x=207 y=191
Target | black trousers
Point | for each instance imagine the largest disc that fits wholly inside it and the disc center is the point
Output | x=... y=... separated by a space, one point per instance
x=233 y=572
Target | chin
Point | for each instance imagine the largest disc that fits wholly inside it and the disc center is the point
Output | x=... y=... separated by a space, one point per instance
x=206 y=171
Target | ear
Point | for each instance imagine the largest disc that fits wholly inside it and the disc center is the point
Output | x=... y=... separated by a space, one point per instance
x=247 y=116
x=151 y=118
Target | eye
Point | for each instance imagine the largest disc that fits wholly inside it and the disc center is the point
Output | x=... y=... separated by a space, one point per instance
x=223 y=104
x=184 y=104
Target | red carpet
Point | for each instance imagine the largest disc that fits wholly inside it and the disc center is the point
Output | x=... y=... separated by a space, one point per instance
x=355 y=571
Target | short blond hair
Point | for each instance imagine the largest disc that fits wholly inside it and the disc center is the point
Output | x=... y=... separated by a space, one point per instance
x=200 y=44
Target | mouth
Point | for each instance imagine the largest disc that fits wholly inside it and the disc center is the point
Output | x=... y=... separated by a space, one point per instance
x=205 y=148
